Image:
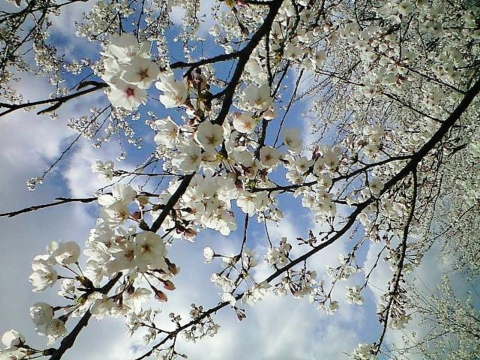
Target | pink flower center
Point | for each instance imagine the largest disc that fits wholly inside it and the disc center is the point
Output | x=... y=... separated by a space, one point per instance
x=130 y=92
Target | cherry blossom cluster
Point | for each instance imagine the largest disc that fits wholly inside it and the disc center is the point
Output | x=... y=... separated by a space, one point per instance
x=381 y=71
x=128 y=70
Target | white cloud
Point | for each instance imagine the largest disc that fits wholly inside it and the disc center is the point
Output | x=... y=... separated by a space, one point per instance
x=177 y=15
x=204 y=16
x=79 y=176
x=26 y=136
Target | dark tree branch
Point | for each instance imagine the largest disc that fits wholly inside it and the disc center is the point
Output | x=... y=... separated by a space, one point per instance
x=69 y=340
x=60 y=201
x=193 y=65
x=437 y=137
x=290 y=103
x=57 y=102
x=398 y=275
x=171 y=202
x=243 y=59
x=292 y=187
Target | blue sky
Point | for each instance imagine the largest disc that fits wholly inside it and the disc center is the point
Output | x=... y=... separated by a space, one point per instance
x=276 y=328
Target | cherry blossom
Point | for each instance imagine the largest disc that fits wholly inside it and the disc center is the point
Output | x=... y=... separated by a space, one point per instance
x=244 y=123
x=209 y=135
x=175 y=93
x=126 y=95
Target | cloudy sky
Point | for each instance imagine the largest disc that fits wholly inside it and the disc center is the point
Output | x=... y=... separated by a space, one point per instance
x=276 y=328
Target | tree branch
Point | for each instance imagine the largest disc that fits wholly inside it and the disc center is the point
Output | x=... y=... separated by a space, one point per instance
x=37 y=207
x=57 y=102
x=171 y=202
x=398 y=275
x=243 y=59
x=69 y=340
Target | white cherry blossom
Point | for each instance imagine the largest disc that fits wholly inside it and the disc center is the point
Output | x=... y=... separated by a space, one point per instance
x=67 y=253
x=12 y=339
x=209 y=135
x=269 y=157
x=125 y=46
x=41 y=314
x=258 y=98
x=55 y=329
x=292 y=139
x=149 y=251
x=208 y=254
x=141 y=72
x=125 y=95
x=244 y=123
x=167 y=132
x=189 y=157
x=175 y=93
x=43 y=276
